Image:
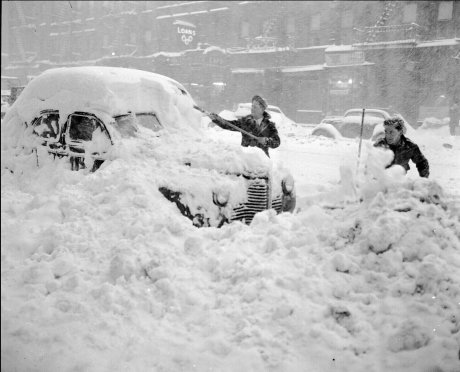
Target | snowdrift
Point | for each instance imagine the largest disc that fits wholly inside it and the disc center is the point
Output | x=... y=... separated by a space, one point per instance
x=100 y=273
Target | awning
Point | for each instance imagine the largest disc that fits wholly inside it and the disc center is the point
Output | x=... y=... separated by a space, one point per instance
x=307 y=68
x=353 y=65
x=183 y=23
x=436 y=43
x=247 y=71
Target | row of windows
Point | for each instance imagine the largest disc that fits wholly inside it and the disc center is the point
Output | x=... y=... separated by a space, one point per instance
x=409 y=14
x=308 y=34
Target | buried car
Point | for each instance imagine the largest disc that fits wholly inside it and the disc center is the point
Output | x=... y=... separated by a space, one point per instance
x=349 y=125
x=88 y=117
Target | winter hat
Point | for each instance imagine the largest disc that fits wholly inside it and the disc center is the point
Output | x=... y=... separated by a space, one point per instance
x=395 y=122
x=260 y=100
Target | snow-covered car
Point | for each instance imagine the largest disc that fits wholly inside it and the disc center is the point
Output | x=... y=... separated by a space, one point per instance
x=383 y=113
x=93 y=116
x=277 y=115
x=349 y=125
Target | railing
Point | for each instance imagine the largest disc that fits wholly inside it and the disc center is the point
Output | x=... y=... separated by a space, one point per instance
x=262 y=42
x=388 y=34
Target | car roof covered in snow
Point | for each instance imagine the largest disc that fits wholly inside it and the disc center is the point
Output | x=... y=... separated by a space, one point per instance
x=106 y=90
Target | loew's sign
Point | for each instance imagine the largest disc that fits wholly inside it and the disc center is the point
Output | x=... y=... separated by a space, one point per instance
x=186 y=33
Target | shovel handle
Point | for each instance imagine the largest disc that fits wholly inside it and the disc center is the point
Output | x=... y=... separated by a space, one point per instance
x=227 y=123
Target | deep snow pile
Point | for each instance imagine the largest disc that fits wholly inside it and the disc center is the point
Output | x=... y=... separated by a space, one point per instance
x=100 y=272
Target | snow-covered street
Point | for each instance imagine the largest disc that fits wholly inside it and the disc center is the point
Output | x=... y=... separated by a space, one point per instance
x=184 y=188
x=99 y=273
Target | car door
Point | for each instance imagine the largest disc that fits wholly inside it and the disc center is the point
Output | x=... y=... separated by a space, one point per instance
x=86 y=137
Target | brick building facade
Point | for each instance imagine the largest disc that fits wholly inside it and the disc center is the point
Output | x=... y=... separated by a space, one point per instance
x=302 y=55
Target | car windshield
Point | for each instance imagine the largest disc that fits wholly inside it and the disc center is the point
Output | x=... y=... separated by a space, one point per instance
x=126 y=125
x=149 y=120
x=367 y=113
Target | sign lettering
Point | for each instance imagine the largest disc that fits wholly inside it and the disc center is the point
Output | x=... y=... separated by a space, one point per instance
x=186 y=34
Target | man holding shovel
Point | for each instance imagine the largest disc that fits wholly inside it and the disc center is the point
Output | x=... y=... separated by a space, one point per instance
x=256 y=129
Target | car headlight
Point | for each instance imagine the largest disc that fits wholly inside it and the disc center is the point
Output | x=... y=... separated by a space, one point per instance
x=220 y=198
x=287 y=184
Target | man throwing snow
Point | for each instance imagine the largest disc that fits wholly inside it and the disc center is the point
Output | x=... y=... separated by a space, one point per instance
x=258 y=124
x=403 y=148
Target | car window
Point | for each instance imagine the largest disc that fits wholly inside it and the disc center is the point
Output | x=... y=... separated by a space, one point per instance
x=149 y=120
x=126 y=124
x=82 y=127
x=47 y=126
x=353 y=130
x=366 y=113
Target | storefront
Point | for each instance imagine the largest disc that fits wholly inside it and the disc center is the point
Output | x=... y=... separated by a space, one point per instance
x=347 y=77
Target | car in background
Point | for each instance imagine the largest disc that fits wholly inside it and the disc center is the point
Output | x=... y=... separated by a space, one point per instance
x=89 y=115
x=383 y=113
x=349 y=125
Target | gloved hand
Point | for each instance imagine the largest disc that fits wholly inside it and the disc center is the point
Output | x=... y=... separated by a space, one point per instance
x=262 y=140
x=213 y=116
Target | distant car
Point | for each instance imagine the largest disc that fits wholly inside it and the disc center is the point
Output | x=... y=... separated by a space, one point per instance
x=277 y=115
x=91 y=116
x=349 y=125
x=384 y=113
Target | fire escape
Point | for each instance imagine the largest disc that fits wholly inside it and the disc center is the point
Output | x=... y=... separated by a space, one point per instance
x=384 y=33
x=379 y=26
x=266 y=40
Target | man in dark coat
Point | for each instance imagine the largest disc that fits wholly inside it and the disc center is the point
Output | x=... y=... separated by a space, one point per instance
x=258 y=123
x=403 y=148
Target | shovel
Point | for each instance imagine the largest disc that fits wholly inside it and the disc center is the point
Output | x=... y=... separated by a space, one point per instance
x=227 y=123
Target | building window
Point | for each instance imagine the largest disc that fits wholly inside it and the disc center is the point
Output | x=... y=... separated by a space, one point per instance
x=269 y=27
x=148 y=36
x=105 y=41
x=445 y=10
x=132 y=38
x=290 y=26
x=410 y=13
x=347 y=19
x=245 y=29
x=315 y=22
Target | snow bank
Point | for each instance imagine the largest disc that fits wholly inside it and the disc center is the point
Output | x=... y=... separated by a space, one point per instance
x=99 y=272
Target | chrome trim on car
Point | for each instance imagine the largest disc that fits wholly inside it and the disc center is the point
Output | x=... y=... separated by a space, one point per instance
x=258 y=193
